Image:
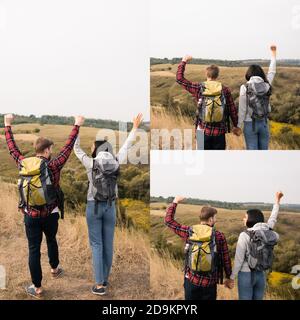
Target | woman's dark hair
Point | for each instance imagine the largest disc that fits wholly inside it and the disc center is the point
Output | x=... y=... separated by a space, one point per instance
x=101 y=145
x=256 y=70
x=254 y=216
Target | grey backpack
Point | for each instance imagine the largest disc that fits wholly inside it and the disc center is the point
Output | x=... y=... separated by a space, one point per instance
x=258 y=99
x=105 y=173
x=261 y=246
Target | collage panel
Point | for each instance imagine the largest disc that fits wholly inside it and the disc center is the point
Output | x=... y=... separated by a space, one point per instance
x=225 y=230
x=149 y=157
x=74 y=158
x=222 y=87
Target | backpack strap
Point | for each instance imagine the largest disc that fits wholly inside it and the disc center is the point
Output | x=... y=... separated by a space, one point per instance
x=199 y=104
x=21 y=193
x=247 y=99
x=226 y=110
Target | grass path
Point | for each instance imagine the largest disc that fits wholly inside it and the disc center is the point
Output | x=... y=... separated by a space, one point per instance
x=130 y=273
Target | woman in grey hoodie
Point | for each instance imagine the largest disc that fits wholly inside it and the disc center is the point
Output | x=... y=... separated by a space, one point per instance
x=101 y=215
x=251 y=284
x=256 y=135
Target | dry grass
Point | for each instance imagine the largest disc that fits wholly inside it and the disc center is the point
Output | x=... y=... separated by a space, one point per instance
x=166 y=281
x=130 y=268
x=23 y=137
x=161 y=119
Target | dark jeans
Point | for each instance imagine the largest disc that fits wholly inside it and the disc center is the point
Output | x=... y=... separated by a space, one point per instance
x=215 y=142
x=35 y=227
x=193 y=292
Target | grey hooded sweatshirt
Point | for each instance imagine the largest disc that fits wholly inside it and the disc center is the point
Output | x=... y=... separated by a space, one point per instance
x=88 y=161
x=244 y=114
x=242 y=248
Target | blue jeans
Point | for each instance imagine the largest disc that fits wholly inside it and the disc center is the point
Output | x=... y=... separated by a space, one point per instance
x=251 y=285
x=259 y=138
x=101 y=226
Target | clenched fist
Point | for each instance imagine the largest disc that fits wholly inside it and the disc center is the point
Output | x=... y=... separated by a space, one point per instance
x=187 y=58
x=178 y=199
x=8 y=119
x=278 y=196
x=79 y=120
x=273 y=49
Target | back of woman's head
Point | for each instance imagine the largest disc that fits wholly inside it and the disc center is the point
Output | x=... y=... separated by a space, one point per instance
x=256 y=70
x=102 y=146
x=254 y=216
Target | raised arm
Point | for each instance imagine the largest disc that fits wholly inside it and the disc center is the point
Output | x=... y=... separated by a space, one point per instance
x=274 y=214
x=192 y=87
x=272 y=67
x=82 y=156
x=65 y=152
x=122 y=154
x=182 y=230
x=11 y=144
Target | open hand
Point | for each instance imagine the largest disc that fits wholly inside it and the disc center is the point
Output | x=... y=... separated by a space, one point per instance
x=8 y=119
x=79 y=120
x=137 y=120
x=187 y=58
x=178 y=199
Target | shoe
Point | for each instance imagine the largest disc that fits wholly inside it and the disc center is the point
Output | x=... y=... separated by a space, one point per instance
x=30 y=290
x=58 y=273
x=100 y=292
x=105 y=284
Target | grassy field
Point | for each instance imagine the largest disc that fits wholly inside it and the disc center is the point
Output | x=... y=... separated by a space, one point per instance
x=133 y=182
x=162 y=119
x=25 y=135
x=172 y=107
x=57 y=133
x=230 y=222
x=130 y=267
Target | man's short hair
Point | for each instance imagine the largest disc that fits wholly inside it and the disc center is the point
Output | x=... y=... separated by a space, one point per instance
x=42 y=144
x=212 y=71
x=207 y=213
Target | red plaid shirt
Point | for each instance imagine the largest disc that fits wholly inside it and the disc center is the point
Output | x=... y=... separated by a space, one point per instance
x=55 y=165
x=195 y=88
x=184 y=232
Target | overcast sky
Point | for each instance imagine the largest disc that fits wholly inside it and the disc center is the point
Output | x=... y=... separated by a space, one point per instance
x=234 y=176
x=69 y=56
x=231 y=29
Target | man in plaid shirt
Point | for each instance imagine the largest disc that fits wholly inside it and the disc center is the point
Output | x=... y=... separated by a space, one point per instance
x=44 y=220
x=198 y=286
x=213 y=133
